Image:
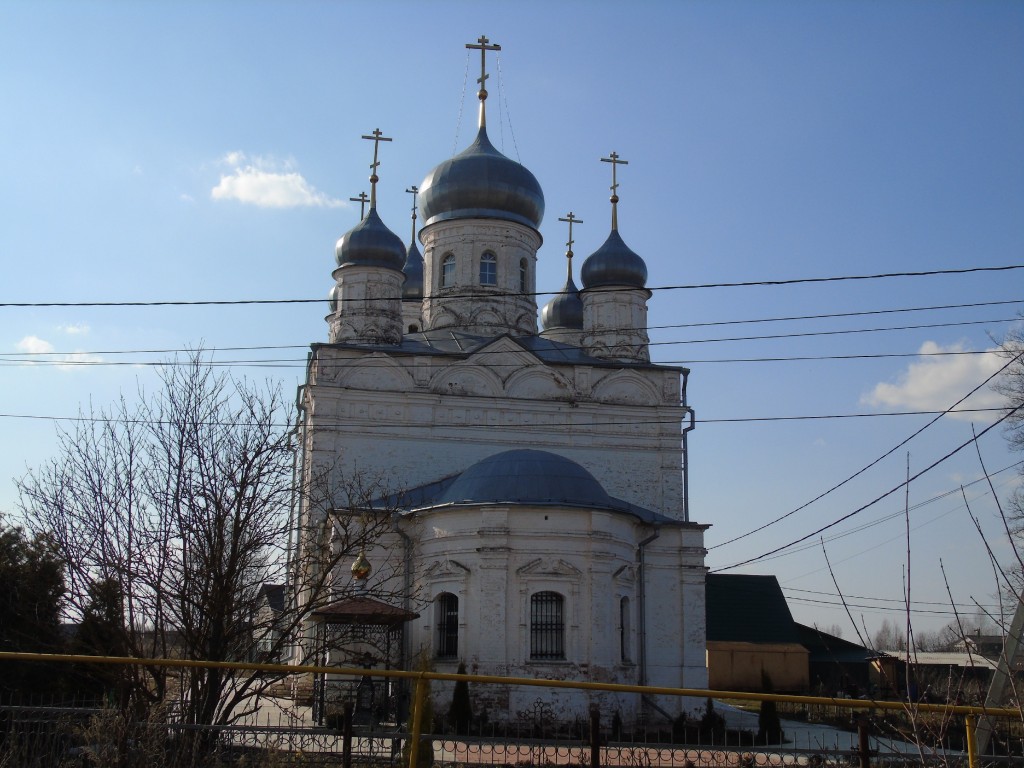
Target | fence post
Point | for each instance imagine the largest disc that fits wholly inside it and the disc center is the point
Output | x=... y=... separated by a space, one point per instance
x=595 y=736
x=346 y=734
x=972 y=742
x=863 y=743
x=417 y=721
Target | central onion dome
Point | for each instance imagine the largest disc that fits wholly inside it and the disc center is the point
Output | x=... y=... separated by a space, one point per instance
x=614 y=264
x=370 y=244
x=481 y=183
x=528 y=476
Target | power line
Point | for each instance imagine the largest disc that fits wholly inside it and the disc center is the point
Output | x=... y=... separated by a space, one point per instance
x=477 y=295
x=885 y=455
x=877 y=499
x=353 y=424
x=833 y=315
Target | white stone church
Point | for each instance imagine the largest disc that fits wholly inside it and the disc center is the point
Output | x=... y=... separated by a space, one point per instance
x=534 y=476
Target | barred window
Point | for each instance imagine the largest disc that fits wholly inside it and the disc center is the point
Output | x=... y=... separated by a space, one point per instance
x=488 y=269
x=522 y=275
x=547 y=626
x=624 y=630
x=446 y=609
x=448 y=270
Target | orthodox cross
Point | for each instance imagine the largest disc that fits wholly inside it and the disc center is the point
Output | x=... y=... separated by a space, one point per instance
x=482 y=45
x=376 y=137
x=362 y=200
x=571 y=219
x=413 y=190
x=613 y=158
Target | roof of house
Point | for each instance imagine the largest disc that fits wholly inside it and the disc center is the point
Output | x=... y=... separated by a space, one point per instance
x=745 y=608
x=944 y=659
x=363 y=610
x=274 y=593
x=826 y=648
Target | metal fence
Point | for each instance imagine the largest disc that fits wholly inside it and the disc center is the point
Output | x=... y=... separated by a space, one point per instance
x=817 y=732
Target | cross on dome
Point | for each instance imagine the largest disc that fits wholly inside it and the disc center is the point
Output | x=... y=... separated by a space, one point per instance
x=483 y=45
x=414 y=191
x=376 y=137
x=362 y=200
x=614 y=159
x=570 y=219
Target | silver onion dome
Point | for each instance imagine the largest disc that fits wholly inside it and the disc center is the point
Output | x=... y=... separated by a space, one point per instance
x=528 y=476
x=412 y=288
x=614 y=264
x=333 y=298
x=370 y=244
x=480 y=182
x=565 y=310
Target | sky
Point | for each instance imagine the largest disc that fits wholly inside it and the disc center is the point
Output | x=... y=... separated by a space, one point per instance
x=193 y=151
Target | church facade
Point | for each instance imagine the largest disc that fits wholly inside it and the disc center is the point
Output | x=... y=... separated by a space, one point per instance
x=533 y=475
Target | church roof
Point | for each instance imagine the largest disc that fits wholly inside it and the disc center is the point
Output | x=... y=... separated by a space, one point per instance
x=448 y=341
x=522 y=476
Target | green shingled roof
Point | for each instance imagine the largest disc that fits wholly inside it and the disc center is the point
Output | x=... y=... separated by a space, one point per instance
x=748 y=609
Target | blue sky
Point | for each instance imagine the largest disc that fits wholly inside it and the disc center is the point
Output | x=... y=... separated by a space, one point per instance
x=207 y=151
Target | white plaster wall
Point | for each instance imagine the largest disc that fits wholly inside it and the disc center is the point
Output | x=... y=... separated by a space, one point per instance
x=369 y=305
x=466 y=304
x=410 y=420
x=615 y=323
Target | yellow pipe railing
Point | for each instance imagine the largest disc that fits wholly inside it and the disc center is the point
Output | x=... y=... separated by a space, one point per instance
x=970 y=712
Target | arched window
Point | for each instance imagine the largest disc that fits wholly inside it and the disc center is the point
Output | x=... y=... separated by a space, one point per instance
x=448 y=270
x=625 y=626
x=446 y=613
x=522 y=275
x=488 y=269
x=547 y=626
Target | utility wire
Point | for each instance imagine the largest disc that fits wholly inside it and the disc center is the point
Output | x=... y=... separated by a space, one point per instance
x=885 y=455
x=877 y=499
x=490 y=294
x=353 y=425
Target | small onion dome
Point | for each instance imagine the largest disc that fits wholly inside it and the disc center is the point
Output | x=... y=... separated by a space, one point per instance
x=480 y=182
x=614 y=264
x=565 y=310
x=361 y=568
x=370 y=244
x=413 y=271
x=332 y=298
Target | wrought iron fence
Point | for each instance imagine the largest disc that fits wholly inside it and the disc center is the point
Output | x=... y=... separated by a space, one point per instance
x=814 y=732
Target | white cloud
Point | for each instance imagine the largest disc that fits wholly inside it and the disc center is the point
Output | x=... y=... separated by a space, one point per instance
x=33 y=345
x=935 y=383
x=186 y=198
x=78 y=329
x=268 y=183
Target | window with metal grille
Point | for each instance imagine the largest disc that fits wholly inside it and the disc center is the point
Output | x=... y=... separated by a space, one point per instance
x=488 y=269
x=547 y=627
x=624 y=630
x=446 y=608
x=448 y=270
x=522 y=276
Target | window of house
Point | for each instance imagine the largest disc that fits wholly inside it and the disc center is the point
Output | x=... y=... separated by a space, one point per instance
x=448 y=270
x=547 y=626
x=488 y=269
x=522 y=276
x=624 y=630
x=446 y=609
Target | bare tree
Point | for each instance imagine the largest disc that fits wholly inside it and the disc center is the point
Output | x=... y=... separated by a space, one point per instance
x=185 y=503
